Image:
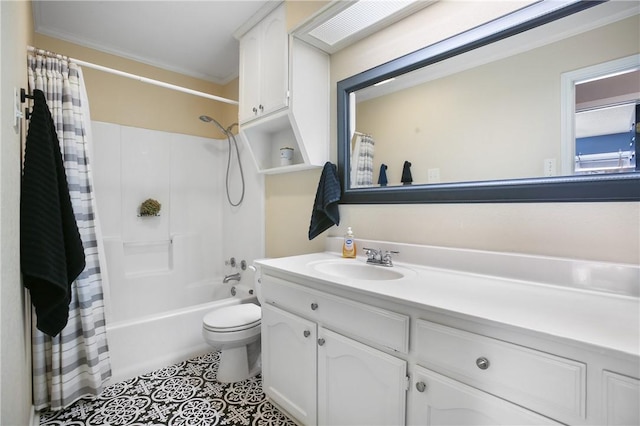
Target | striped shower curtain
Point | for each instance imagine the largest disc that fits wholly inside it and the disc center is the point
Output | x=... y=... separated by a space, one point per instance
x=362 y=161
x=75 y=363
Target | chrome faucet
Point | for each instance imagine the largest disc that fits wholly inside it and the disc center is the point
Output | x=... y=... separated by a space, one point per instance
x=380 y=257
x=232 y=277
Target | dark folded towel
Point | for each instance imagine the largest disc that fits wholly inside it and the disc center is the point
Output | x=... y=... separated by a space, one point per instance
x=382 y=179
x=325 y=212
x=51 y=252
x=406 y=173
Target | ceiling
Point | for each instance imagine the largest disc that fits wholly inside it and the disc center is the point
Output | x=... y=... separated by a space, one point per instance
x=194 y=38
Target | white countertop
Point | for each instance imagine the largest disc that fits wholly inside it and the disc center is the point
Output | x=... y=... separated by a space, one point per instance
x=605 y=320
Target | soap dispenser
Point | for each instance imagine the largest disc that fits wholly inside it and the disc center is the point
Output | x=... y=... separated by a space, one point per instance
x=349 y=245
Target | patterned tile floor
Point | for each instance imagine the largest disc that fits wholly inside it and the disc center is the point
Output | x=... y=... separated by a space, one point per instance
x=184 y=394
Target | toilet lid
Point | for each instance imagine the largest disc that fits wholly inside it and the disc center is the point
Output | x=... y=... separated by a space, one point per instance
x=233 y=318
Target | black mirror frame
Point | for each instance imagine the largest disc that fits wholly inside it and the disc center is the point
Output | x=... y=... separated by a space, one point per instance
x=583 y=188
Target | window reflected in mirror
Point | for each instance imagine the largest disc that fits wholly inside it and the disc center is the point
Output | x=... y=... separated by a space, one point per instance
x=607 y=111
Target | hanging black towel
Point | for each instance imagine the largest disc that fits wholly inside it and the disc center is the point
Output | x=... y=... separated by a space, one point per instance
x=406 y=173
x=325 y=212
x=51 y=252
x=382 y=179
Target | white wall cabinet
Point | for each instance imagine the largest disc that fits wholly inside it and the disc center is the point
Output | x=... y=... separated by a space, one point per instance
x=264 y=67
x=284 y=97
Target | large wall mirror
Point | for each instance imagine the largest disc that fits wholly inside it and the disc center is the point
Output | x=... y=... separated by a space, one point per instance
x=539 y=105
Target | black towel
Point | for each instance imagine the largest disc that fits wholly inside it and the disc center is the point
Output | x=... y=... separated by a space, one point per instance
x=406 y=174
x=51 y=252
x=382 y=179
x=325 y=212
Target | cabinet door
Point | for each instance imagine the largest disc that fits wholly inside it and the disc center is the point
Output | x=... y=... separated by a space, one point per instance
x=439 y=400
x=621 y=396
x=274 y=54
x=249 y=90
x=289 y=362
x=358 y=385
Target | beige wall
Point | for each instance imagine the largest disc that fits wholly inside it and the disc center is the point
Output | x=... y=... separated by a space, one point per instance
x=452 y=123
x=298 y=11
x=129 y=102
x=15 y=345
x=596 y=231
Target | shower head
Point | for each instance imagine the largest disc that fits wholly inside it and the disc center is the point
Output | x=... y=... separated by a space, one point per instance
x=208 y=119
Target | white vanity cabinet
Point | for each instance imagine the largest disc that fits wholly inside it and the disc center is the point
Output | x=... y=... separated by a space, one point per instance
x=469 y=349
x=318 y=374
x=440 y=400
x=289 y=362
x=264 y=67
x=541 y=382
x=621 y=399
x=357 y=384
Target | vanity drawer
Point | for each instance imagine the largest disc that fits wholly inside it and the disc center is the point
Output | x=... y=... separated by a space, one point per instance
x=545 y=383
x=365 y=322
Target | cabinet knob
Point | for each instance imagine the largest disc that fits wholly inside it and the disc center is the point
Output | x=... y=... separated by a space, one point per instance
x=261 y=108
x=306 y=333
x=482 y=363
x=421 y=386
x=320 y=342
x=255 y=110
x=314 y=306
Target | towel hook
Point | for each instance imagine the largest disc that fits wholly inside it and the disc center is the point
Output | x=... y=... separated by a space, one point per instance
x=23 y=98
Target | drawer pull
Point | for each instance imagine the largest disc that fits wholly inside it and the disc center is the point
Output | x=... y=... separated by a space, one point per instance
x=421 y=386
x=306 y=333
x=482 y=363
x=320 y=342
x=314 y=306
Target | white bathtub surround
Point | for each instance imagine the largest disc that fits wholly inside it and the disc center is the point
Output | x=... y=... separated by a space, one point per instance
x=452 y=336
x=166 y=271
x=153 y=277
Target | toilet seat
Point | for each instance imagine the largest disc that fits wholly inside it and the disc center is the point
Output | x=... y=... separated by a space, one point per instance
x=232 y=318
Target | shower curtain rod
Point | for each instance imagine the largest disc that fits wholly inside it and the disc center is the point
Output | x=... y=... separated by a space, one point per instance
x=135 y=77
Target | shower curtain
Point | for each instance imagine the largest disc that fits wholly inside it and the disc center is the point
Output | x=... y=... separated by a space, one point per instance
x=75 y=363
x=362 y=161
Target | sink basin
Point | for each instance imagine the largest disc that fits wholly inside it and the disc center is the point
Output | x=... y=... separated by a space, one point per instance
x=359 y=271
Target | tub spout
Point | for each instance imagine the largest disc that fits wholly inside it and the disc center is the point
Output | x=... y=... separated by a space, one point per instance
x=232 y=277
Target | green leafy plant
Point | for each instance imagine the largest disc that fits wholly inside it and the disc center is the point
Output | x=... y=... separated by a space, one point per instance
x=150 y=207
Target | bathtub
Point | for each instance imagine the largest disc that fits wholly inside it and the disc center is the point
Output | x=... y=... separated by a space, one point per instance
x=144 y=344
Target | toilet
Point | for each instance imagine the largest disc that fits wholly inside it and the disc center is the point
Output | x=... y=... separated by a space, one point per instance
x=235 y=332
